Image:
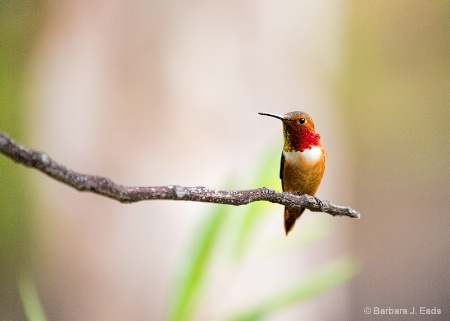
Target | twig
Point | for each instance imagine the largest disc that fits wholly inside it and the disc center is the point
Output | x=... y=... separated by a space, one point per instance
x=125 y=194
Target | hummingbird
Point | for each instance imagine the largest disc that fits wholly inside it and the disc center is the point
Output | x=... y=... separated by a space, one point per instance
x=302 y=160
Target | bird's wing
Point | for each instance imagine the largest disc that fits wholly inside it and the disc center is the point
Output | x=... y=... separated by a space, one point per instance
x=282 y=169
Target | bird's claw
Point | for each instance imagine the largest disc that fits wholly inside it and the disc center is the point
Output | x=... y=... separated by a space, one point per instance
x=318 y=201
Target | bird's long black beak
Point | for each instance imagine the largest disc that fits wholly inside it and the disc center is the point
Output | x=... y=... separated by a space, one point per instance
x=272 y=115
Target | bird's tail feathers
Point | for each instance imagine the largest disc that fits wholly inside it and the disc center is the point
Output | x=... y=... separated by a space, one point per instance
x=291 y=215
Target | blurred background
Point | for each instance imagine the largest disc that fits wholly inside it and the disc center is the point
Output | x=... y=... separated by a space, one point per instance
x=167 y=92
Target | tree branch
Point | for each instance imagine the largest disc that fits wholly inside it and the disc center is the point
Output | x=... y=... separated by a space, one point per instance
x=125 y=194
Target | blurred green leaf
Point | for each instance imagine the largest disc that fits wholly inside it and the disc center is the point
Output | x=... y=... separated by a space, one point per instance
x=267 y=175
x=326 y=278
x=199 y=259
x=30 y=299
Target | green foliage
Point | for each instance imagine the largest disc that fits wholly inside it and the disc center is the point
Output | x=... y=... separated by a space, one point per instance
x=30 y=299
x=254 y=212
x=226 y=235
x=18 y=27
x=200 y=256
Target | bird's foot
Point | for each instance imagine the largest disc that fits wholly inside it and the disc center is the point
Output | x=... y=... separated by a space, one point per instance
x=319 y=202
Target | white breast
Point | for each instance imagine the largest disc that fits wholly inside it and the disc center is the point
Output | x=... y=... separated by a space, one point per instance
x=312 y=155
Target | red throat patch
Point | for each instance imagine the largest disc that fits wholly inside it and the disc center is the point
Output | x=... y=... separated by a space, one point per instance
x=302 y=138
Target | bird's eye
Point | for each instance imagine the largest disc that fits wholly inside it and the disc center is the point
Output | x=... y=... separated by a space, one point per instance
x=302 y=120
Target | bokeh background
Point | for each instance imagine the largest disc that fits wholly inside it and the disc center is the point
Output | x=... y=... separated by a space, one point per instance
x=167 y=92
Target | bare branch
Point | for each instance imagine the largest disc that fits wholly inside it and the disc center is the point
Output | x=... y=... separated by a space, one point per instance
x=125 y=194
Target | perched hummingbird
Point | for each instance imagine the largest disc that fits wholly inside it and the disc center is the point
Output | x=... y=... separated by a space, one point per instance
x=302 y=160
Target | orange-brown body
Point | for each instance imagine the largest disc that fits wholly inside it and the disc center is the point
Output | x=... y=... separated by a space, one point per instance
x=302 y=160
